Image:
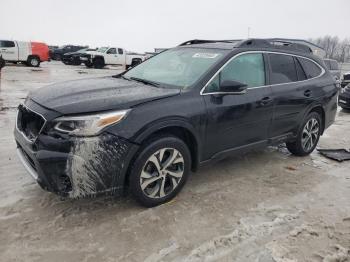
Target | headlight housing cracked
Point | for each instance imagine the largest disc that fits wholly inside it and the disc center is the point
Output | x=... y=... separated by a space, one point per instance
x=88 y=125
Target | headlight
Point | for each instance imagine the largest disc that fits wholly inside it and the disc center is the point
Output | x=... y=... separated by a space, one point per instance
x=88 y=125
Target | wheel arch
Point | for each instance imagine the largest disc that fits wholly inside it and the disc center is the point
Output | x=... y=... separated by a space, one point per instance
x=176 y=127
x=318 y=108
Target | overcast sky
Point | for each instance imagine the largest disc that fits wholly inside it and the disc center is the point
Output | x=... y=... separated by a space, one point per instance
x=140 y=25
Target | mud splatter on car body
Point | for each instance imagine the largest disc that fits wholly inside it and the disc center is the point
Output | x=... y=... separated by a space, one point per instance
x=94 y=163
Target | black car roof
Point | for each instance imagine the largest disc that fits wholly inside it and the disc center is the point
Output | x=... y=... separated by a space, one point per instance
x=255 y=44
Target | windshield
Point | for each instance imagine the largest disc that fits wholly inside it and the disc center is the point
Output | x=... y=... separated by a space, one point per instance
x=180 y=67
x=83 y=50
x=102 y=49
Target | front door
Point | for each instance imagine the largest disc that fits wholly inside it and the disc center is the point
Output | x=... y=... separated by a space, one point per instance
x=238 y=120
x=112 y=57
x=9 y=50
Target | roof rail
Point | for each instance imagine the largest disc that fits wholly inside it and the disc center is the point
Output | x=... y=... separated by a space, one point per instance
x=256 y=42
x=201 y=41
x=285 y=44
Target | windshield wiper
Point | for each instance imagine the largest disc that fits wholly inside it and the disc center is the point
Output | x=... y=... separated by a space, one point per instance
x=145 y=81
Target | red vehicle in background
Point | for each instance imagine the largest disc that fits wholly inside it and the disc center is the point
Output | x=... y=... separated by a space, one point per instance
x=29 y=53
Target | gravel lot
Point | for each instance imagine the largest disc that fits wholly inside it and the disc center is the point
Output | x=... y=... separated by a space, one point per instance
x=263 y=206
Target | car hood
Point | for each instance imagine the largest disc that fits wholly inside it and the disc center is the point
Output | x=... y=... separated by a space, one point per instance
x=69 y=53
x=93 y=53
x=97 y=94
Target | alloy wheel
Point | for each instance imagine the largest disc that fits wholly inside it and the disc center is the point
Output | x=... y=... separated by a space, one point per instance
x=162 y=173
x=310 y=134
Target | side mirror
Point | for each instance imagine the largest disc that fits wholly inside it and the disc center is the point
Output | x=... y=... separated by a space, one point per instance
x=230 y=86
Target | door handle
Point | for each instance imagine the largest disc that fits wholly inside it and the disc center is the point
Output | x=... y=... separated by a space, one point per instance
x=307 y=93
x=265 y=101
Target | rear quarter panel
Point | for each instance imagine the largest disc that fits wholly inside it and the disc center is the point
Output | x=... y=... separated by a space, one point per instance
x=41 y=50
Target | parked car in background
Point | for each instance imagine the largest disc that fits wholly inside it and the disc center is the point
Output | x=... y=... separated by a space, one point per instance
x=344 y=97
x=29 y=53
x=333 y=67
x=2 y=62
x=147 y=128
x=111 y=56
x=57 y=54
x=73 y=58
x=345 y=79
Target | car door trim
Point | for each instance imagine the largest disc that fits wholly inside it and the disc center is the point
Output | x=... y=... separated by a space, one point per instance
x=202 y=93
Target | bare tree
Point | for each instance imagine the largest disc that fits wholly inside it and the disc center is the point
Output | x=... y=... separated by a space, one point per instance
x=334 y=47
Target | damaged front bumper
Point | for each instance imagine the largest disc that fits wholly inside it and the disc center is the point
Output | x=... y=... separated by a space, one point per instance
x=77 y=166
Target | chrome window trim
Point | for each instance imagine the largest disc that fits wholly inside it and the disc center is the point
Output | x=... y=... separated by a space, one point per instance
x=202 y=93
x=25 y=137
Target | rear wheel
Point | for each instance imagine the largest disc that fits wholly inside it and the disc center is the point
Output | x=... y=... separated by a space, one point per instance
x=159 y=171
x=308 y=136
x=33 y=61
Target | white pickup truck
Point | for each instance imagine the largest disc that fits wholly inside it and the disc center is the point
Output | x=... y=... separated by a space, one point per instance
x=111 y=56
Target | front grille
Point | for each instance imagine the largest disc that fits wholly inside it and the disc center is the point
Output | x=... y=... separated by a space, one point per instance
x=29 y=122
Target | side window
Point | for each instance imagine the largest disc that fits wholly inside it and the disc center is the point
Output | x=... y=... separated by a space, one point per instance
x=282 y=69
x=300 y=71
x=334 y=65
x=248 y=69
x=120 y=51
x=311 y=69
x=7 y=44
x=112 y=51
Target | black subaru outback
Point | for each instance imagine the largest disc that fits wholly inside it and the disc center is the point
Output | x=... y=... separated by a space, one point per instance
x=149 y=127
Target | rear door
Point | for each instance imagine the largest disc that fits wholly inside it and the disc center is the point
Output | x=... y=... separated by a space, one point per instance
x=238 y=120
x=9 y=50
x=292 y=92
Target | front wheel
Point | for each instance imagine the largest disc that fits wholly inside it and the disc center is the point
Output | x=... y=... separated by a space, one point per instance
x=99 y=63
x=160 y=170
x=308 y=136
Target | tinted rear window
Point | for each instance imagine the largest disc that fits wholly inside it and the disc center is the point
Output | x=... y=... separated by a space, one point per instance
x=300 y=71
x=282 y=69
x=311 y=69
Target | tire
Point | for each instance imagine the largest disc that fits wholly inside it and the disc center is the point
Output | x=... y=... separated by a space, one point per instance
x=88 y=64
x=99 y=63
x=135 y=62
x=308 y=136
x=174 y=174
x=33 y=61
